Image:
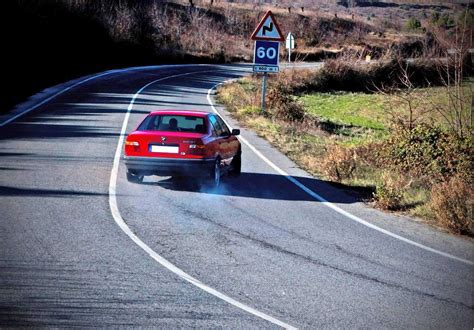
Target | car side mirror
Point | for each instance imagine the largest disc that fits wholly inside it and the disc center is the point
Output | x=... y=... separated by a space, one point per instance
x=235 y=131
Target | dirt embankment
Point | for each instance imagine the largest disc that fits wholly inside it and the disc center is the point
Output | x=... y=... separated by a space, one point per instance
x=48 y=42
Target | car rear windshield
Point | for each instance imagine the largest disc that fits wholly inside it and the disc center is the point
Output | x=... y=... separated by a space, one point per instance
x=173 y=123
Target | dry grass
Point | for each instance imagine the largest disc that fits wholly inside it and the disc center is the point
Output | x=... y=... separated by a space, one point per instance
x=339 y=163
x=452 y=202
x=284 y=105
x=222 y=29
x=401 y=170
x=389 y=192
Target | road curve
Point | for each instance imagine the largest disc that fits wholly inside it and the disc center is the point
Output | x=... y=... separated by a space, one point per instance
x=259 y=239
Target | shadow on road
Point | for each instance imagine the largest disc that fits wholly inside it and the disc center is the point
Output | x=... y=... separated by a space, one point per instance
x=268 y=186
x=89 y=117
x=35 y=192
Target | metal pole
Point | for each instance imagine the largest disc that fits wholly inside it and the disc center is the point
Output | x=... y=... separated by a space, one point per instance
x=264 y=90
x=289 y=54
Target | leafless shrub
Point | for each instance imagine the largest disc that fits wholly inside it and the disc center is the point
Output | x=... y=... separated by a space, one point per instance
x=403 y=102
x=168 y=27
x=458 y=111
x=367 y=154
x=349 y=73
x=120 y=22
x=452 y=202
x=201 y=34
x=388 y=194
x=452 y=68
x=240 y=23
x=295 y=79
x=339 y=163
x=283 y=104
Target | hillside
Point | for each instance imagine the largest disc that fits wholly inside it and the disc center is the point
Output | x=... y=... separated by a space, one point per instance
x=57 y=40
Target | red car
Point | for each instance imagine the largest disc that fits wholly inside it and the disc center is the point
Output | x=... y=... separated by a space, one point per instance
x=182 y=144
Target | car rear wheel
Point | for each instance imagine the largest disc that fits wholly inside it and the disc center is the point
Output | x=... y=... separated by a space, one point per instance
x=236 y=165
x=134 y=177
x=216 y=173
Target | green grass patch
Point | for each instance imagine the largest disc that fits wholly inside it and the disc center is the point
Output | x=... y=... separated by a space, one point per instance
x=249 y=110
x=247 y=85
x=352 y=109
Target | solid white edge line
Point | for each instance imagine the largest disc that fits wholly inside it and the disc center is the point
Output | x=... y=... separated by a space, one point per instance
x=113 y=190
x=162 y=261
x=331 y=205
x=121 y=223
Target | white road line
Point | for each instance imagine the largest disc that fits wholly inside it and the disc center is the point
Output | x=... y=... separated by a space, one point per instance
x=165 y=263
x=113 y=191
x=331 y=205
x=121 y=223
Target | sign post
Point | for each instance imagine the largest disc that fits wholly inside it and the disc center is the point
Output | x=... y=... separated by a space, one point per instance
x=266 y=56
x=290 y=44
x=264 y=90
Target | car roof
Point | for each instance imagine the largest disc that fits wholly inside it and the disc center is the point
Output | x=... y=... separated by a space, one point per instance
x=180 y=113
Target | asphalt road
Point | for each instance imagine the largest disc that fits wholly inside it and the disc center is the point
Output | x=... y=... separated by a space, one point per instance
x=258 y=239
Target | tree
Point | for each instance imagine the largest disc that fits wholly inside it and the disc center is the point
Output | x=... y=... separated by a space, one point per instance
x=454 y=48
x=444 y=21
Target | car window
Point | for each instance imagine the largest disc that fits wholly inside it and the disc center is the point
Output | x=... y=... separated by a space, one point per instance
x=225 y=129
x=170 y=123
x=215 y=124
x=213 y=129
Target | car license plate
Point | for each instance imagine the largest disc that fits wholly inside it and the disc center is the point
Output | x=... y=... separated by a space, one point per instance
x=165 y=149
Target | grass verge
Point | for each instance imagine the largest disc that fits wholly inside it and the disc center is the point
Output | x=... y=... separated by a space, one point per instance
x=351 y=138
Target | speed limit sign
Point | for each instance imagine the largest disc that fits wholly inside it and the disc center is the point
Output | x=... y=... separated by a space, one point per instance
x=266 y=56
x=266 y=53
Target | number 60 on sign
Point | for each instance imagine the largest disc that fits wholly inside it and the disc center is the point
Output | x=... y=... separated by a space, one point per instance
x=266 y=52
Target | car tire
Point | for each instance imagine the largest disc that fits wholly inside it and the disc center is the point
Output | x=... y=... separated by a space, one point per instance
x=216 y=174
x=236 y=165
x=133 y=177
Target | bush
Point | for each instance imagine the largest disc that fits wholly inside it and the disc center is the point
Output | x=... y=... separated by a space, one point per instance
x=342 y=74
x=444 y=21
x=388 y=194
x=283 y=104
x=368 y=153
x=452 y=204
x=320 y=30
x=428 y=152
x=339 y=163
x=413 y=24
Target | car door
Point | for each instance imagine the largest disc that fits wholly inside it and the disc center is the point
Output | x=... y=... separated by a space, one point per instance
x=220 y=141
x=232 y=143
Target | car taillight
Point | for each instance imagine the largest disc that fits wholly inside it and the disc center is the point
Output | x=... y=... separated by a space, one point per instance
x=196 y=149
x=132 y=146
x=196 y=146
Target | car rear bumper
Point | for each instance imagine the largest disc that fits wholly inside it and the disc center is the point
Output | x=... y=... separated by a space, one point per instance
x=168 y=166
